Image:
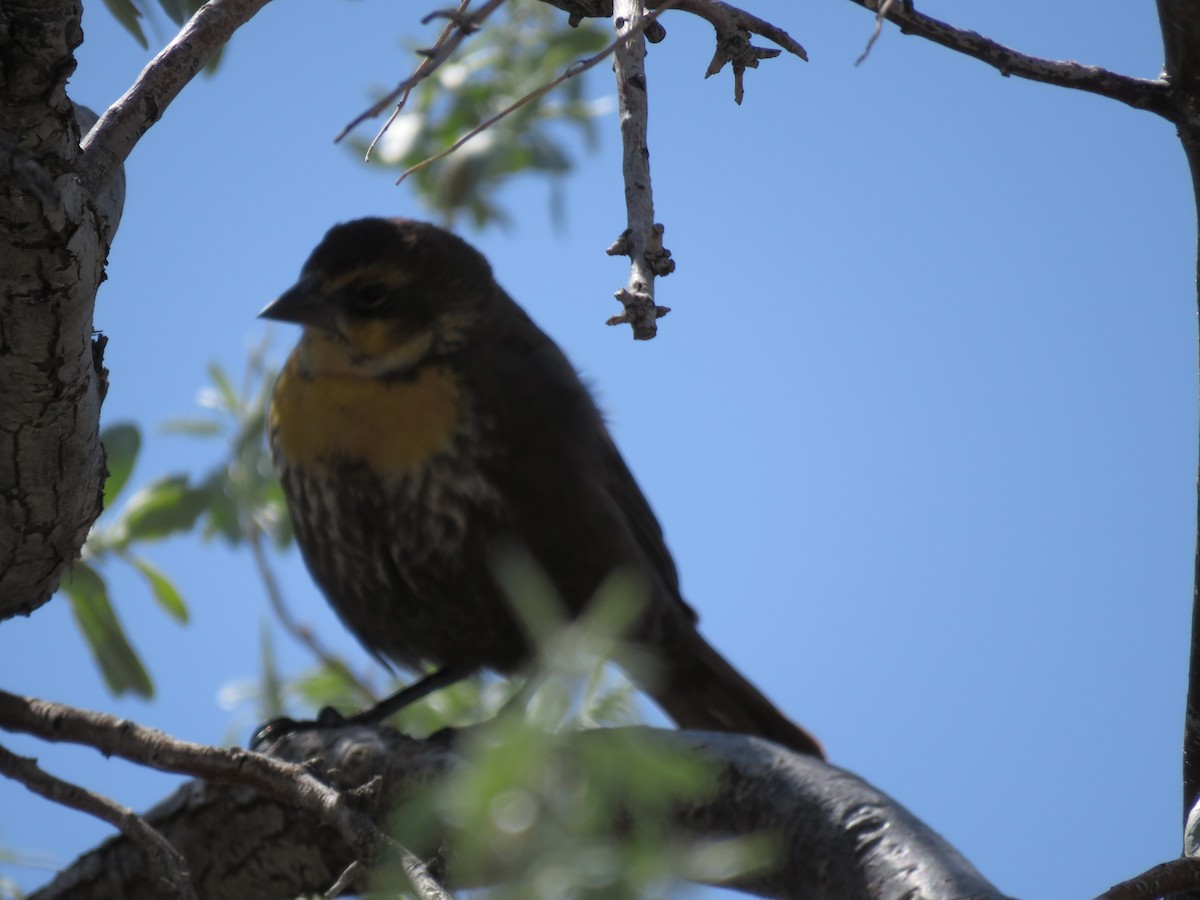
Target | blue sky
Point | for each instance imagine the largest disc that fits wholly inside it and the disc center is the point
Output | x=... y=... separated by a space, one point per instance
x=921 y=428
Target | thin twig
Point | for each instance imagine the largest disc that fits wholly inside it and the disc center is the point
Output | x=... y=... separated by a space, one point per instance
x=119 y=737
x=437 y=55
x=158 y=850
x=1140 y=93
x=300 y=632
x=576 y=68
x=446 y=32
x=878 y=30
x=113 y=138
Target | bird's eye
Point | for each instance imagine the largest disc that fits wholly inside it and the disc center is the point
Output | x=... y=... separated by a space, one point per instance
x=370 y=297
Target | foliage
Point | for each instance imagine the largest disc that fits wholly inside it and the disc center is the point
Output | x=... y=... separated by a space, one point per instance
x=547 y=804
x=517 y=51
x=240 y=500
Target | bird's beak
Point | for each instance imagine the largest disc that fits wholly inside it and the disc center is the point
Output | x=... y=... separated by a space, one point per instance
x=304 y=304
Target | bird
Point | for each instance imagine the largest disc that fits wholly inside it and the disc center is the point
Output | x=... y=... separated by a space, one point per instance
x=424 y=430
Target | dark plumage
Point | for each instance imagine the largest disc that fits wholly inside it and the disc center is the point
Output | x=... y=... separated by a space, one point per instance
x=423 y=428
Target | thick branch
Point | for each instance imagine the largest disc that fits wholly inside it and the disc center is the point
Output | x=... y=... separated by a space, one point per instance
x=122 y=126
x=51 y=262
x=1139 y=93
x=840 y=837
x=1180 y=21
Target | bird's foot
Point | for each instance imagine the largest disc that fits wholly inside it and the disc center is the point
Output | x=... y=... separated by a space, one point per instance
x=283 y=726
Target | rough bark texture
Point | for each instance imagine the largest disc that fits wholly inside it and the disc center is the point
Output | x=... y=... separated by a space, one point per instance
x=842 y=838
x=53 y=246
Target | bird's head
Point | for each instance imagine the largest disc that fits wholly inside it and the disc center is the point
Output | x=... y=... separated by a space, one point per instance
x=378 y=296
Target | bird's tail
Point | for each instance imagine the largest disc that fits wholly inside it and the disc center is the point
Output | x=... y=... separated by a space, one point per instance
x=700 y=690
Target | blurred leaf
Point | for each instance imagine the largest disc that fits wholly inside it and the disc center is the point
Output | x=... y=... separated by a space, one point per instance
x=118 y=662
x=164 y=592
x=165 y=507
x=225 y=389
x=270 y=683
x=192 y=427
x=173 y=9
x=127 y=15
x=223 y=513
x=121 y=445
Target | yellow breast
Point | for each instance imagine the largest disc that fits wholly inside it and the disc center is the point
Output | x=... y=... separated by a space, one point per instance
x=322 y=419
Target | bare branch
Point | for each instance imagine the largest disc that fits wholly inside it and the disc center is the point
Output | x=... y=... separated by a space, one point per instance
x=464 y=25
x=113 y=138
x=642 y=239
x=1140 y=93
x=734 y=27
x=169 y=861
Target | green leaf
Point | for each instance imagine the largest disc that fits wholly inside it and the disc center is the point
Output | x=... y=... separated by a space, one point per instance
x=165 y=507
x=127 y=15
x=118 y=661
x=121 y=445
x=164 y=592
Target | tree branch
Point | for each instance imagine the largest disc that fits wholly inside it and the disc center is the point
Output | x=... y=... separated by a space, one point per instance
x=55 y=239
x=839 y=836
x=442 y=51
x=291 y=783
x=170 y=863
x=1180 y=23
x=120 y=128
x=734 y=27
x=642 y=239
x=1140 y=93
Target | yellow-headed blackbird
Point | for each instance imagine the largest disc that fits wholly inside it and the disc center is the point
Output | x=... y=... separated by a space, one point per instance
x=422 y=425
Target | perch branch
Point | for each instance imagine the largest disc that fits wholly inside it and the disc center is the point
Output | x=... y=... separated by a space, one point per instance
x=1153 y=95
x=113 y=138
x=642 y=239
x=837 y=836
x=168 y=860
x=463 y=25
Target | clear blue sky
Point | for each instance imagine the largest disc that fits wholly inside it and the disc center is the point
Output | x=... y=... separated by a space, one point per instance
x=921 y=428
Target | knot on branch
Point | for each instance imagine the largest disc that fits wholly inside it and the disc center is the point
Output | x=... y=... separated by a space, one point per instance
x=640 y=313
x=655 y=255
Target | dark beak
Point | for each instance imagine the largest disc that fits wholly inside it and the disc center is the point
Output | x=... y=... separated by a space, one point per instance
x=303 y=303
